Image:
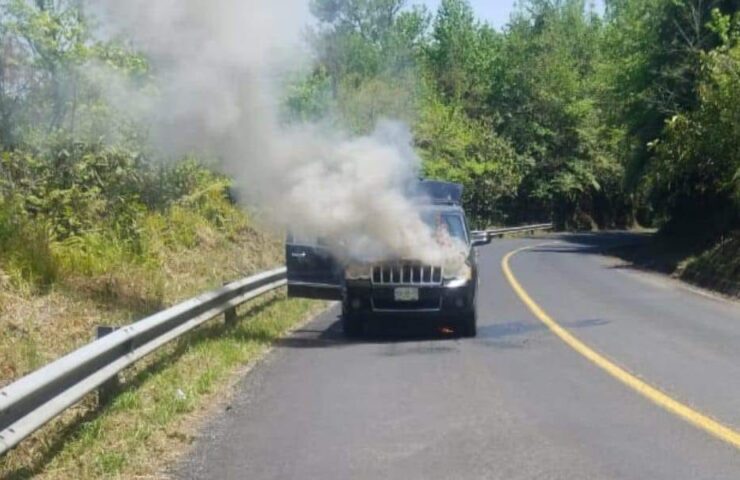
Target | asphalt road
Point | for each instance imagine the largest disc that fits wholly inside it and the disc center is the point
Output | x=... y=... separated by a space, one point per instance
x=515 y=403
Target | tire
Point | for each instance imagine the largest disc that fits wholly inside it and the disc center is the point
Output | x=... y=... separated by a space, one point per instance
x=468 y=325
x=352 y=324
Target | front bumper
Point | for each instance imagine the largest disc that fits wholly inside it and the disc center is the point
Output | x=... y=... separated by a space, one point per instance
x=362 y=297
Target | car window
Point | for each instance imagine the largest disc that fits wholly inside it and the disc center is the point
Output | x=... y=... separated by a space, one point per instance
x=455 y=226
x=306 y=240
x=446 y=224
x=300 y=239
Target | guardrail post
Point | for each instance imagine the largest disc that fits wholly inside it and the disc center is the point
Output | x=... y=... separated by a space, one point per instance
x=230 y=316
x=110 y=388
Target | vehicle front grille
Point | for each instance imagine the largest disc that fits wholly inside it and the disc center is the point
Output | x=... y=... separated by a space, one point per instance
x=406 y=273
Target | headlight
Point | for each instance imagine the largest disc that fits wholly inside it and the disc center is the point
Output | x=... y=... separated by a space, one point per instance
x=457 y=277
x=357 y=272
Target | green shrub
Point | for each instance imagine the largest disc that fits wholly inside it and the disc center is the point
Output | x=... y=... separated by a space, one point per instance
x=25 y=253
x=85 y=210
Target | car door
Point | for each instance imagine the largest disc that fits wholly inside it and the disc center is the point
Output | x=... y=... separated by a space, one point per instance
x=312 y=271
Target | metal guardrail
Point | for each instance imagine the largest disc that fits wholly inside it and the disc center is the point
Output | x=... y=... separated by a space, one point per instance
x=500 y=232
x=37 y=398
x=32 y=401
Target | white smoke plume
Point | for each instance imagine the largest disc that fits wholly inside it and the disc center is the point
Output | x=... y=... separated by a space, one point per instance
x=218 y=63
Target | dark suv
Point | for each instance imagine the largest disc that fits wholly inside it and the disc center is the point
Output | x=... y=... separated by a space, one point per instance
x=395 y=288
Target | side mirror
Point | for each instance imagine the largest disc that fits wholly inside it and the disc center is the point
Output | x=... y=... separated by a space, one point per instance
x=480 y=240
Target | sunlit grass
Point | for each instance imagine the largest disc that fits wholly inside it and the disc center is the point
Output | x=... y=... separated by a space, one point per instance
x=53 y=293
x=718 y=267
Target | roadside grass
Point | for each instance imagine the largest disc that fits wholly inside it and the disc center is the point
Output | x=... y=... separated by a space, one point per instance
x=717 y=268
x=53 y=293
x=102 y=279
x=155 y=415
x=26 y=256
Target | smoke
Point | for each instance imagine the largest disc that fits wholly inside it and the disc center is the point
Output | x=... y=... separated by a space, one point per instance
x=219 y=65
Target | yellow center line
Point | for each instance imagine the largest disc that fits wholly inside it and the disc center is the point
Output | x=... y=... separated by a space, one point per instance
x=687 y=413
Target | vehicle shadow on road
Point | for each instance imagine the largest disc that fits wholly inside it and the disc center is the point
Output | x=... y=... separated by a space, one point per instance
x=400 y=332
x=383 y=332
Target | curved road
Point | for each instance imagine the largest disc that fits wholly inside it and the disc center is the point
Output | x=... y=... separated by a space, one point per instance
x=515 y=403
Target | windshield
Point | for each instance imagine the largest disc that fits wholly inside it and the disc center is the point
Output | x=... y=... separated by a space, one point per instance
x=446 y=226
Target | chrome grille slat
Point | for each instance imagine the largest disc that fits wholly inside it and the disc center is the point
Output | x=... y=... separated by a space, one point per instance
x=406 y=273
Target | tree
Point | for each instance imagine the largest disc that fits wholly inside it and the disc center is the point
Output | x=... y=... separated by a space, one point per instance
x=460 y=149
x=460 y=56
x=47 y=87
x=544 y=100
x=368 y=51
x=695 y=175
x=654 y=50
x=47 y=41
x=363 y=38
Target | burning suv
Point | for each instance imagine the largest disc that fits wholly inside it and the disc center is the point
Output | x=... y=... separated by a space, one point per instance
x=396 y=287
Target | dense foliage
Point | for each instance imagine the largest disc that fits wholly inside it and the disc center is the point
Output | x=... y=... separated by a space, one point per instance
x=80 y=194
x=592 y=120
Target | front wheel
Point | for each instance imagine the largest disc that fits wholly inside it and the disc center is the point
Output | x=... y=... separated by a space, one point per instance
x=352 y=324
x=468 y=325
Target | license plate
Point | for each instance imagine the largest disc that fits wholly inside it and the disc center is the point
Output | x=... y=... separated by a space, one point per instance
x=406 y=294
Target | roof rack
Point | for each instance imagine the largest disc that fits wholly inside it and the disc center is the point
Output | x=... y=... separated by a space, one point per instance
x=439 y=192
